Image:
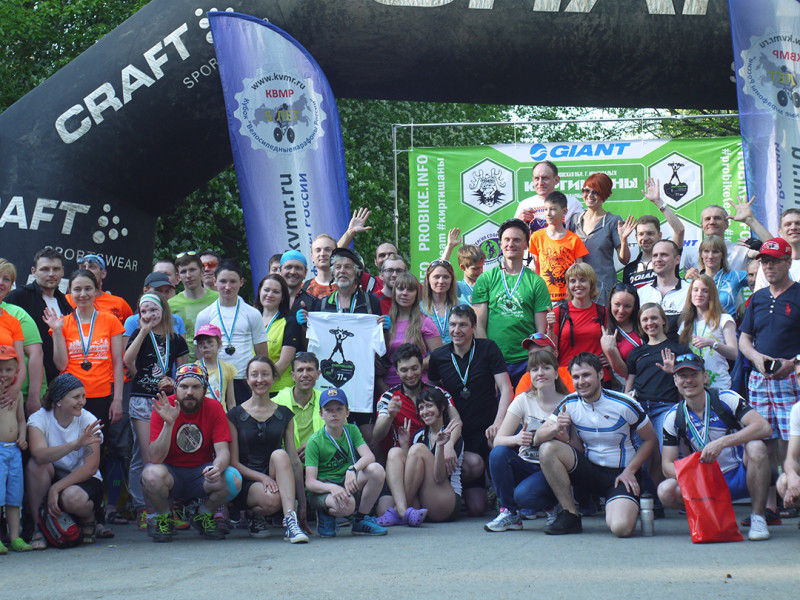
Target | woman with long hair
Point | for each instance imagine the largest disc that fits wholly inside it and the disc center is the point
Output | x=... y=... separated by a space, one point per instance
x=708 y=331
x=514 y=461
x=602 y=233
x=154 y=351
x=263 y=451
x=439 y=295
x=713 y=261
x=284 y=335
x=409 y=325
x=576 y=323
x=620 y=336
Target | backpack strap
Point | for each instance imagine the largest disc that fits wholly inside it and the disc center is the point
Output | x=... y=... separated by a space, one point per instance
x=716 y=405
x=306 y=284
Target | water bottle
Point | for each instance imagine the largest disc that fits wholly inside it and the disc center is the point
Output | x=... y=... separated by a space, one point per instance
x=646 y=515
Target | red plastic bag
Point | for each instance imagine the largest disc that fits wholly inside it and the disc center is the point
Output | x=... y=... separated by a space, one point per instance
x=708 y=501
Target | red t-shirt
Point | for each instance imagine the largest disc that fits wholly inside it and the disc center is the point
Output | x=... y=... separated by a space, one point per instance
x=586 y=330
x=193 y=436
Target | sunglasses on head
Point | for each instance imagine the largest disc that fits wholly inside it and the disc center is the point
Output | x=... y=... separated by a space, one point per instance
x=439 y=262
x=189 y=253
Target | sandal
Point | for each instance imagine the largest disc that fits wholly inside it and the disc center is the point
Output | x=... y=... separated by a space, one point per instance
x=415 y=516
x=101 y=531
x=114 y=518
x=390 y=518
x=88 y=532
x=38 y=542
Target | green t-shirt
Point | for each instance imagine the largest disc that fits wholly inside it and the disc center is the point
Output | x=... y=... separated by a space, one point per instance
x=31 y=334
x=330 y=462
x=511 y=320
x=307 y=419
x=188 y=310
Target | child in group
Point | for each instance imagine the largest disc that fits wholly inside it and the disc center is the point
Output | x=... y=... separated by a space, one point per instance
x=470 y=259
x=342 y=477
x=13 y=440
x=555 y=249
x=208 y=340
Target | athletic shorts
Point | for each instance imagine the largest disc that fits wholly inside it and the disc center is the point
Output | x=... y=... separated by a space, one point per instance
x=587 y=476
x=737 y=482
x=188 y=482
x=318 y=501
x=358 y=419
x=140 y=408
x=773 y=399
x=92 y=486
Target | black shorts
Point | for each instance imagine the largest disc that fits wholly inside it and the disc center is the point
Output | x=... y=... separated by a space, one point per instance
x=358 y=419
x=595 y=479
x=92 y=486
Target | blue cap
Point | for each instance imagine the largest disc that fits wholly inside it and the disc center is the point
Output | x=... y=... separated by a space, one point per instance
x=332 y=395
x=95 y=258
x=294 y=255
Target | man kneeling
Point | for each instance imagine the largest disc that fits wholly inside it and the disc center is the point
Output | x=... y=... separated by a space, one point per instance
x=189 y=446
x=722 y=426
x=603 y=422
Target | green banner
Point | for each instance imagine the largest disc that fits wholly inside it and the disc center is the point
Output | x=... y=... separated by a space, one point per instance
x=477 y=188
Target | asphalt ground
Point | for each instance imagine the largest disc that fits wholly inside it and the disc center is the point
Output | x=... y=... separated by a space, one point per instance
x=450 y=560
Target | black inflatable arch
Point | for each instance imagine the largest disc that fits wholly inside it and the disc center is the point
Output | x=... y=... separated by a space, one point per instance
x=92 y=156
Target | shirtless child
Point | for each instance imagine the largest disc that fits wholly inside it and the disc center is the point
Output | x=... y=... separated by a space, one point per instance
x=12 y=442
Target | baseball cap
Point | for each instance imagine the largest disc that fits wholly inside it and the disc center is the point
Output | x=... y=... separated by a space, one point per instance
x=95 y=258
x=775 y=248
x=8 y=353
x=209 y=330
x=351 y=254
x=540 y=339
x=157 y=279
x=332 y=395
x=689 y=361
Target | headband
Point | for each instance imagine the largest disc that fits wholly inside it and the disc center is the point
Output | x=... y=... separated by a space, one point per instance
x=199 y=372
x=63 y=385
x=294 y=255
x=151 y=298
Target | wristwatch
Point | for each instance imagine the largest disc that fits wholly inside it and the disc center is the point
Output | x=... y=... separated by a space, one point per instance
x=716 y=345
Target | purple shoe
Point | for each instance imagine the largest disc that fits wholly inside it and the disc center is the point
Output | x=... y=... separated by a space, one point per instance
x=390 y=518
x=415 y=516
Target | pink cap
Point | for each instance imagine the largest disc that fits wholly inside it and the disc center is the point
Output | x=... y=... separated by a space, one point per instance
x=209 y=330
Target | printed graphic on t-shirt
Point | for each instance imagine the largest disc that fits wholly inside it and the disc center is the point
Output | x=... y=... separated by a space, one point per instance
x=189 y=438
x=336 y=368
x=555 y=262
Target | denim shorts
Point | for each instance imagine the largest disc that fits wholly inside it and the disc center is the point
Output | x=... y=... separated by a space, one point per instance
x=11 y=478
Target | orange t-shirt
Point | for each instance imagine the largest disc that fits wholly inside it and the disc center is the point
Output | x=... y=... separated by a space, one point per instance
x=111 y=304
x=10 y=329
x=99 y=378
x=554 y=258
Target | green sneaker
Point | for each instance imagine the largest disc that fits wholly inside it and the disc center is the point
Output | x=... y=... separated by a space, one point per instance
x=205 y=523
x=20 y=545
x=163 y=528
x=3 y=549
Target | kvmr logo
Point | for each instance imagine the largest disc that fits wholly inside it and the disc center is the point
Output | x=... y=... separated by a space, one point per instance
x=539 y=151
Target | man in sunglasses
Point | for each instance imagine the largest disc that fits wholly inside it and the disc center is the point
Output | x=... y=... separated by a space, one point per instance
x=723 y=427
x=210 y=261
x=770 y=339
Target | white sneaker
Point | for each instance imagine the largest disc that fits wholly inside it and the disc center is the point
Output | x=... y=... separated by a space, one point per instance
x=504 y=521
x=758 y=528
x=552 y=514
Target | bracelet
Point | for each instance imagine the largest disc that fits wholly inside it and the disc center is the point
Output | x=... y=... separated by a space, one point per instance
x=352 y=468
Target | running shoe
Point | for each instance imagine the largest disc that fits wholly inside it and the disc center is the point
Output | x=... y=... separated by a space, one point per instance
x=326 y=524
x=222 y=521
x=179 y=512
x=258 y=526
x=368 y=526
x=564 y=523
x=291 y=529
x=758 y=528
x=205 y=523
x=141 y=520
x=506 y=520
x=163 y=528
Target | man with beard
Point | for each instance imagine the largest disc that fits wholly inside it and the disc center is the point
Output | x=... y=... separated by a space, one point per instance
x=189 y=446
x=294 y=268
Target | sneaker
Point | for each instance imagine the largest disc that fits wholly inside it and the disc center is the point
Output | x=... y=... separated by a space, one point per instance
x=552 y=513
x=258 y=526
x=368 y=526
x=163 y=528
x=326 y=524
x=758 y=528
x=179 y=512
x=205 y=523
x=222 y=520
x=291 y=529
x=528 y=514
x=564 y=523
x=20 y=545
x=141 y=520
x=504 y=521
x=772 y=518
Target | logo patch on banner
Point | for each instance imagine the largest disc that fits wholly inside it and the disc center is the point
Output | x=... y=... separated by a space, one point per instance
x=487 y=186
x=280 y=113
x=770 y=72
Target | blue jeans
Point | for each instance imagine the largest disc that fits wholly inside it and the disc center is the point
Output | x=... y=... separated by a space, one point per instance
x=519 y=483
